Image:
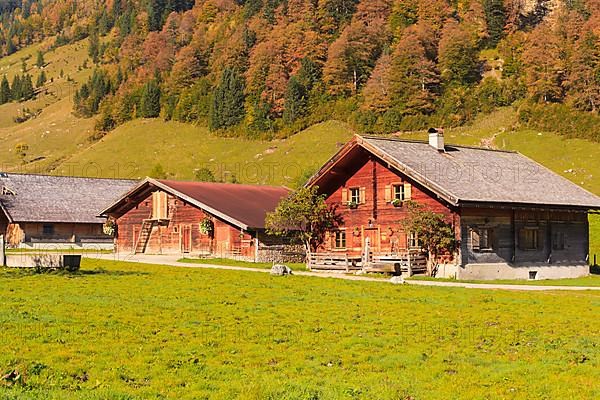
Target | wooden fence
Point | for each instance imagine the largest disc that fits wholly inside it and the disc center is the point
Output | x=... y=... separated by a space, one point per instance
x=410 y=262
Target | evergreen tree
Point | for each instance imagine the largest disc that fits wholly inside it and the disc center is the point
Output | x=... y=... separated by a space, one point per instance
x=204 y=174
x=150 y=100
x=27 y=88
x=227 y=108
x=40 y=60
x=41 y=80
x=16 y=91
x=5 y=95
x=94 y=46
x=495 y=16
x=295 y=101
x=156 y=10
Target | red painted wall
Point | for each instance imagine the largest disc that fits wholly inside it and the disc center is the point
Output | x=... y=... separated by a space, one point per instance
x=377 y=218
x=183 y=219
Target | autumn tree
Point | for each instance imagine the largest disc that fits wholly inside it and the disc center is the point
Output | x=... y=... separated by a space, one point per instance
x=414 y=79
x=458 y=55
x=351 y=58
x=377 y=90
x=583 y=81
x=543 y=66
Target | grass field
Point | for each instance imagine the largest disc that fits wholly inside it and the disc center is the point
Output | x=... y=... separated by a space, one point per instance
x=237 y=263
x=128 y=331
x=590 y=281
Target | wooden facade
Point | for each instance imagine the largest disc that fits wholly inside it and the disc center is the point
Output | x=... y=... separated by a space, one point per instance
x=371 y=199
x=495 y=239
x=53 y=212
x=176 y=229
x=201 y=219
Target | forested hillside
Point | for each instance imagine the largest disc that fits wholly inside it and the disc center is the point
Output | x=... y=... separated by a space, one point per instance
x=265 y=68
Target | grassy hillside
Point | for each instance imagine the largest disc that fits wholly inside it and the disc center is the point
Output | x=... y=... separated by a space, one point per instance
x=134 y=331
x=134 y=149
x=55 y=133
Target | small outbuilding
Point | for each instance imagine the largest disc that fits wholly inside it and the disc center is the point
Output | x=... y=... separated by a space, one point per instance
x=197 y=218
x=48 y=212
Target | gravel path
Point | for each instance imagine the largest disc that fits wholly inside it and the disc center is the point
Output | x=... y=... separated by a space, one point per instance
x=172 y=261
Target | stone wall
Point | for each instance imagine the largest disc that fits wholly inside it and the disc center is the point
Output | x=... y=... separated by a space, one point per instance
x=522 y=271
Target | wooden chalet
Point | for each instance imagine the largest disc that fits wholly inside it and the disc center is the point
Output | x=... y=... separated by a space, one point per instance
x=42 y=212
x=512 y=217
x=197 y=218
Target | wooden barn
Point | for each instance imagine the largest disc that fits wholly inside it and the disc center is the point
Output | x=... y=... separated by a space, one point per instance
x=512 y=217
x=198 y=218
x=45 y=212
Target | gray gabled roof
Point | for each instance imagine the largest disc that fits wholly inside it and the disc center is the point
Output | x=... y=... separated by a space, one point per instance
x=43 y=198
x=471 y=174
x=463 y=174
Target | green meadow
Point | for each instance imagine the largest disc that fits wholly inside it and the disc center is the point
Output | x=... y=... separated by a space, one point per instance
x=133 y=331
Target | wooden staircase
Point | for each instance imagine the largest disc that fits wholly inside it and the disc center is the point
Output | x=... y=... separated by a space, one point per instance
x=144 y=236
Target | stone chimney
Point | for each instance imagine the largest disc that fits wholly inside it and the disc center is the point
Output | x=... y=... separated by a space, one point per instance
x=436 y=138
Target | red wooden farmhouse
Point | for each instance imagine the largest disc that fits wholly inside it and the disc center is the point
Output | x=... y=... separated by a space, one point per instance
x=200 y=218
x=513 y=218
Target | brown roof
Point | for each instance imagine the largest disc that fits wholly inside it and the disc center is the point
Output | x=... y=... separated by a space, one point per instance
x=463 y=174
x=44 y=198
x=245 y=206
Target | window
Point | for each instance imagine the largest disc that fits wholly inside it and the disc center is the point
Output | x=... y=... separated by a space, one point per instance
x=340 y=240
x=397 y=192
x=48 y=230
x=355 y=195
x=482 y=239
x=413 y=241
x=528 y=239
x=558 y=241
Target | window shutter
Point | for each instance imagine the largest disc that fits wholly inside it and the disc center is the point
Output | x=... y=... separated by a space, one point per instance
x=407 y=191
x=388 y=193
x=154 y=204
x=363 y=195
x=344 y=195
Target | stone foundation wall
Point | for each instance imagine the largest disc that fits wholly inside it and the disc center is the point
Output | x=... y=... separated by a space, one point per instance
x=506 y=271
x=281 y=254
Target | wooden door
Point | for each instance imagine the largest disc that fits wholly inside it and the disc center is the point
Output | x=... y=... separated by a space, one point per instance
x=371 y=240
x=186 y=238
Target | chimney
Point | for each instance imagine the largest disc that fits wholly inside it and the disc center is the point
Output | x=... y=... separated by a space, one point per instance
x=436 y=138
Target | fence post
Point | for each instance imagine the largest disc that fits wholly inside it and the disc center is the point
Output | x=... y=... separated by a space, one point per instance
x=2 y=252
